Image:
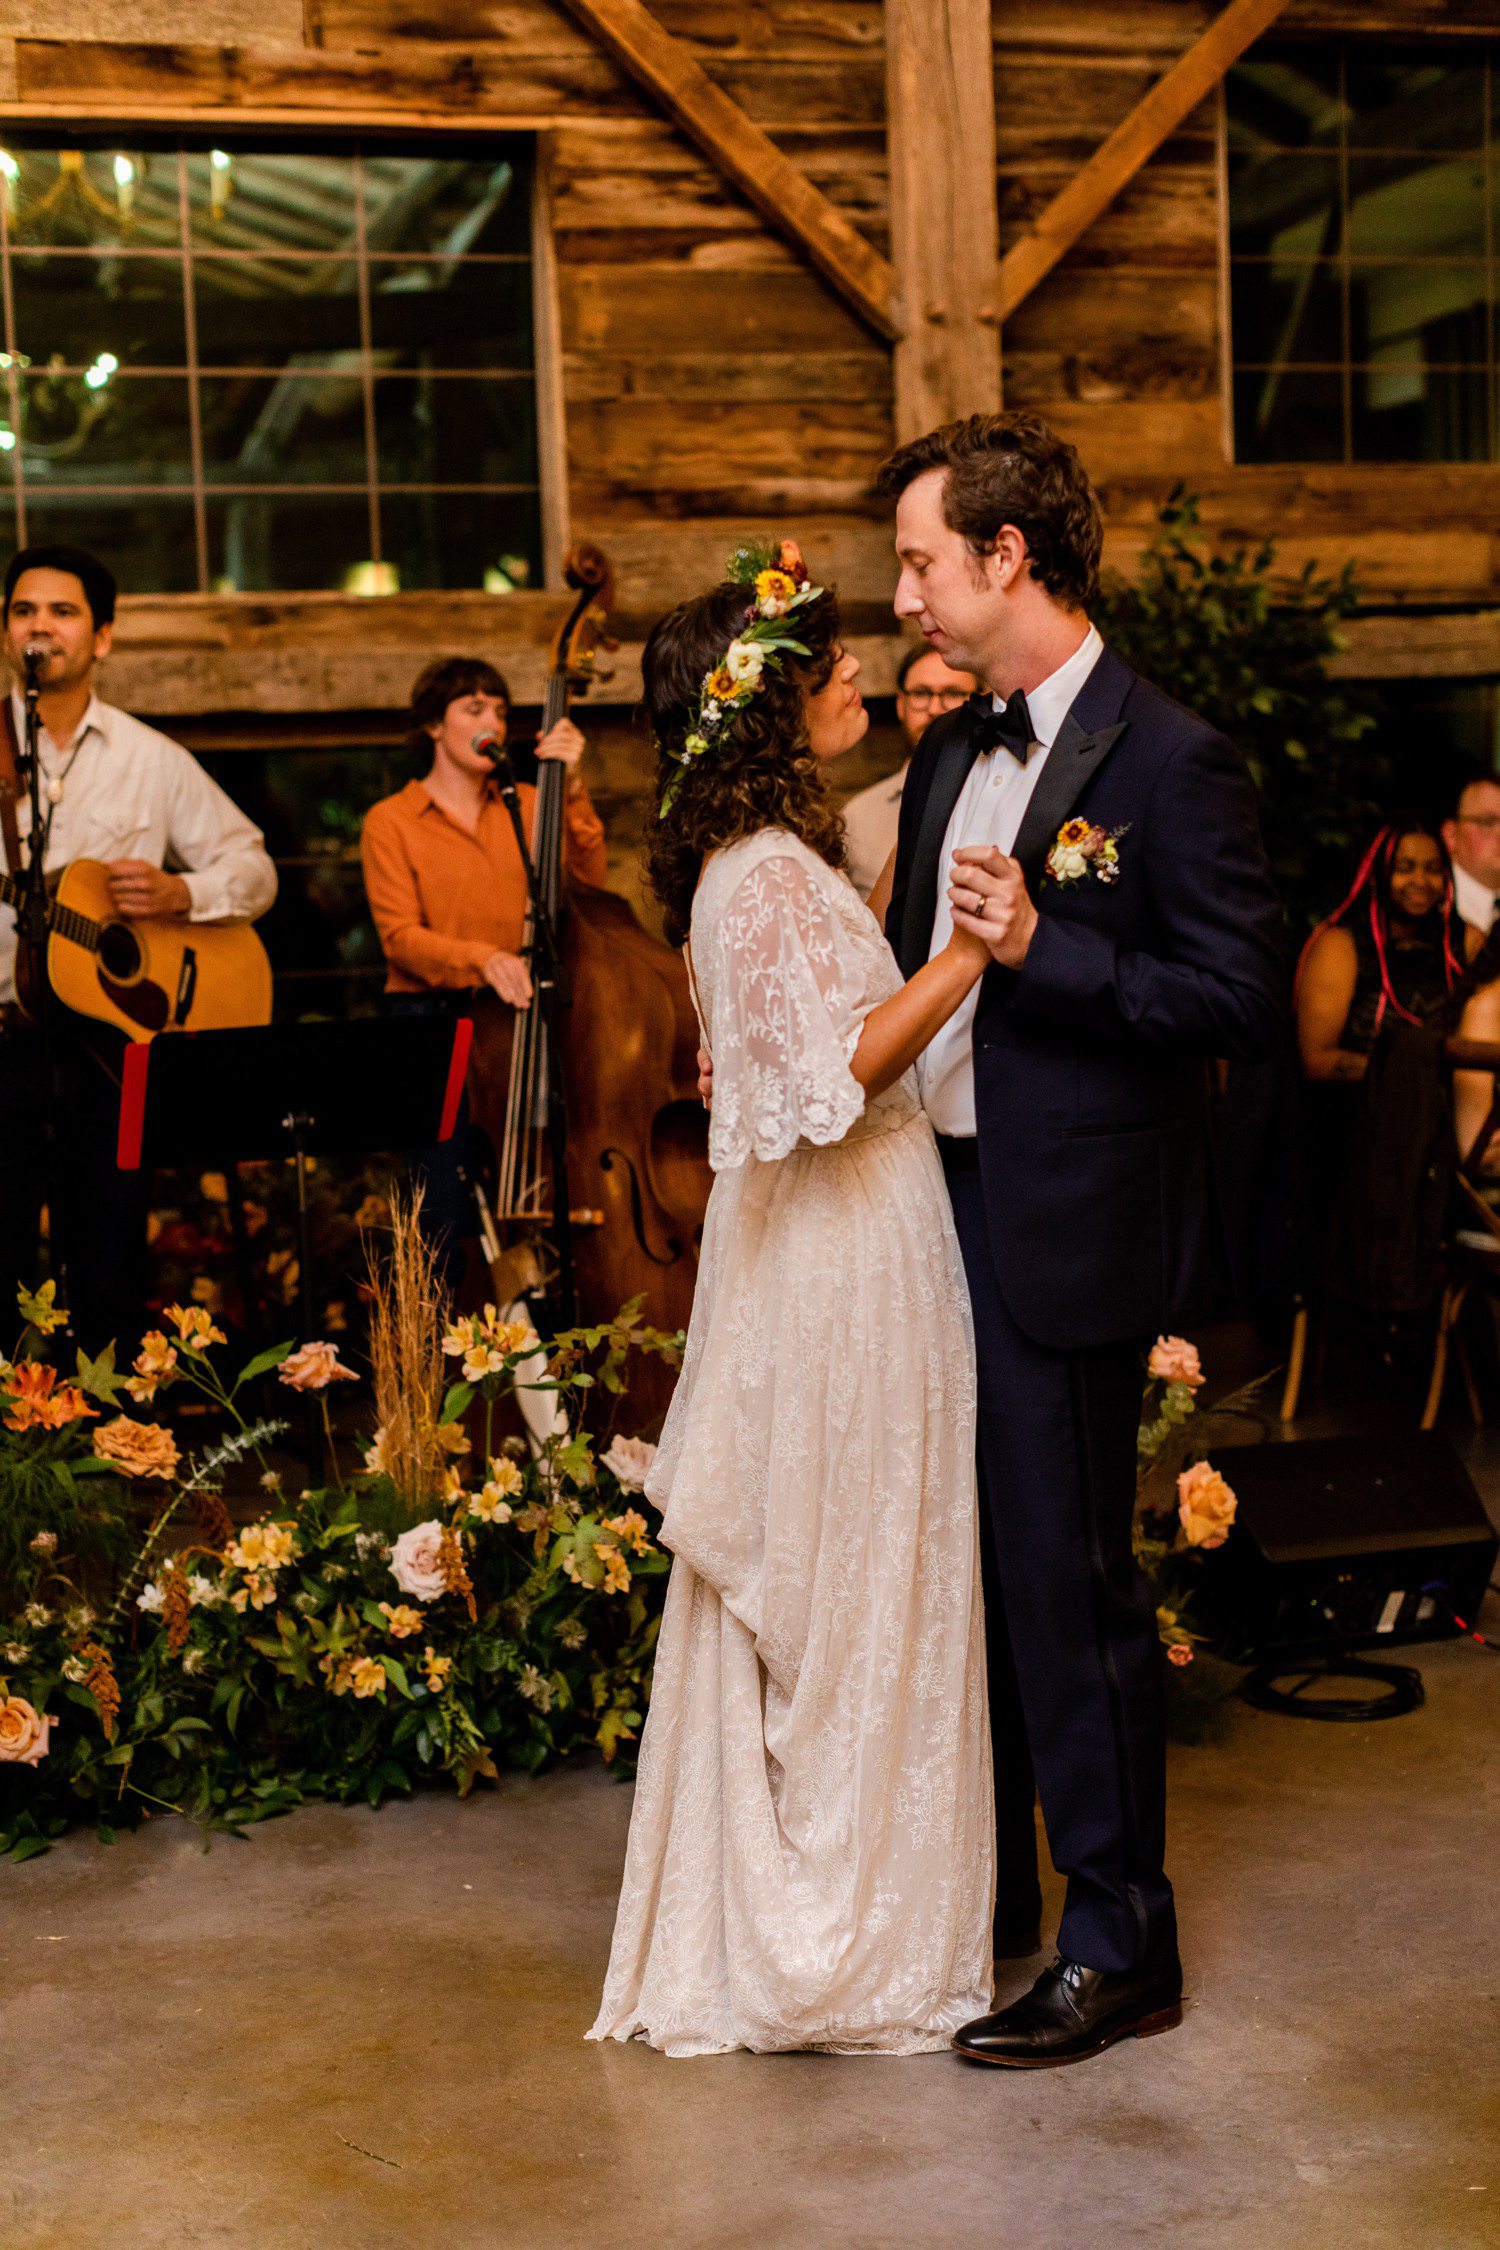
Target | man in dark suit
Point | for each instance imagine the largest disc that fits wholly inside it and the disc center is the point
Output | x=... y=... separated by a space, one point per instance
x=1104 y=843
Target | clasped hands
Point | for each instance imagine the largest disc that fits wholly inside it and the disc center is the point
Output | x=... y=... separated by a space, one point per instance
x=990 y=902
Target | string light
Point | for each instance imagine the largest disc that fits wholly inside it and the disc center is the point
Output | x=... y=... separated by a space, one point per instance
x=99 y=374
x=10 y=172
x=125 y=185
x=220 y=180
x=7 y=438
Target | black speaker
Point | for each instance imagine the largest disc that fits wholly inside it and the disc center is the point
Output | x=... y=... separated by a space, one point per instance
x=1346 y=1542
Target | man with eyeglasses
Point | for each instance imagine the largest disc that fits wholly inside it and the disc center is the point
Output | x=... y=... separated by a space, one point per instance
x=926 y=687
x=1473 y=840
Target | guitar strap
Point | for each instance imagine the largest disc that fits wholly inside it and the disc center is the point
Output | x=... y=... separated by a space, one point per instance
x=10 y=790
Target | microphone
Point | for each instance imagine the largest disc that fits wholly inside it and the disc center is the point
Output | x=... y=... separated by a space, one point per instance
x=33 y=657
x=488 y=746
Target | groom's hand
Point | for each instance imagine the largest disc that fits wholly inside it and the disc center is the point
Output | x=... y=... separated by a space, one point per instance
x=989 y=898
x=705 y=1078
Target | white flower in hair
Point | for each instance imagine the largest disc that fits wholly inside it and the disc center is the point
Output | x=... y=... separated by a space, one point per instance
x=743 y=661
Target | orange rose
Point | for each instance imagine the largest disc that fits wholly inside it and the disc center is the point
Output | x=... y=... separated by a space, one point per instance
x=24 y=1733
x=1205 y=1505
x=1174 y=1360
x=312 y=1367
x=136 y=1449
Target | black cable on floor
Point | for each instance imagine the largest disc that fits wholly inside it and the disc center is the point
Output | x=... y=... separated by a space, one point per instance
x=1401 y=1683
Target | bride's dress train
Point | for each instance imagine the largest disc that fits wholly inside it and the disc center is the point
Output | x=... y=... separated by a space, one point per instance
x=811 y=1854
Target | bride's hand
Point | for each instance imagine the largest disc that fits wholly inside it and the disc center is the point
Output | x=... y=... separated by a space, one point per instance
x=972 y=951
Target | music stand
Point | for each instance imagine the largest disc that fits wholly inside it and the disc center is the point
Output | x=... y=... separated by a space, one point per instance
x=210 y=1099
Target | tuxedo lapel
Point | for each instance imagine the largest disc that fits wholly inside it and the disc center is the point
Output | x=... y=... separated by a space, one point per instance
x=1084 y=740
x=954 y=757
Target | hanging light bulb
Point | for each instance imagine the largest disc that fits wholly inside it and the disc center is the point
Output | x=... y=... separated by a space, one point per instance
x=99 y=374
x=10 y=172
x=7 y=438
x=125 y=184
x=220 y=180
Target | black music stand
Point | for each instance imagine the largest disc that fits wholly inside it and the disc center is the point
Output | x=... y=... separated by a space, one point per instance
x=218 y=1098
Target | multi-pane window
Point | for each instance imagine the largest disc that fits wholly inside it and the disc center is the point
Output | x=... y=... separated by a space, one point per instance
x=1363 y=187
x=284 y=367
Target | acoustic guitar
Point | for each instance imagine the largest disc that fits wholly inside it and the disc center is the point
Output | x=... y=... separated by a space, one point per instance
x=157 y=974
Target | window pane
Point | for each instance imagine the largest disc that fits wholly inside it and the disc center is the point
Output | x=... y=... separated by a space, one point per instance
x=446 y=312
x=1287 y=312
x=454 y=429
x=1414 y=100
x=1404 y=207
x=1285 y=206
x=272 y=202
x=1421 y=414
x=283 y=429
x=148 y=544
x=259 y=541
x=98 y=197
x=72 y=309
x=1416 y=313
x=1285 y=97
x=462 y=539
x=132 y=429
x=271 y=312
x=447 y=203
x=1288 y=416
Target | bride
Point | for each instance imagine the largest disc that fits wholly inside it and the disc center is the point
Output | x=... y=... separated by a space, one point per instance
x=811 y=1859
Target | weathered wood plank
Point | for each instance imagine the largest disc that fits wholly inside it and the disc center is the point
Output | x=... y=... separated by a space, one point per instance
x=795 y=30
x=1462 y=645
x=1167 y=216
x=941 y=135
x=1128 y=309
x=1164 y=437
x=1118 y=374
x=1158 y=114
x=717 y=378
x=154 y=19
x=651 y=441
x=617 y=309
x=784 y=196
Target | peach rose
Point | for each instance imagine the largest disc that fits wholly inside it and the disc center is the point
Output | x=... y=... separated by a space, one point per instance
x=629 y=1460
x=1174 y=1360
x=136 y=1449
x=312 y=1367
x=417 y=1561
x=1205 y=1505
x=25 y=1736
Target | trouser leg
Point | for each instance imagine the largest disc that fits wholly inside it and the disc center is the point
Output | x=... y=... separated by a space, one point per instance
x=1018 y=1892
x=1057 y=1437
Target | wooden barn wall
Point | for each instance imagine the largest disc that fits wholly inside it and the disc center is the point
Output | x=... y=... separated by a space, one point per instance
x=709 y=379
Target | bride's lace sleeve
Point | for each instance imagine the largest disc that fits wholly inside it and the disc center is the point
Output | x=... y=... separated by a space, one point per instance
x=788 y=1008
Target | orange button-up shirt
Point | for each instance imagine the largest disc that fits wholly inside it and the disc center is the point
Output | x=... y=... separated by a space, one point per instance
x=442 y=900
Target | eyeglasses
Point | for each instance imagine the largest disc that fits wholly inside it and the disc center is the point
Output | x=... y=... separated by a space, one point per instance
x=936 y=698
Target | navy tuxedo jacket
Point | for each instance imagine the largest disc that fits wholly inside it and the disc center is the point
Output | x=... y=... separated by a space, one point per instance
x=1090 y=1062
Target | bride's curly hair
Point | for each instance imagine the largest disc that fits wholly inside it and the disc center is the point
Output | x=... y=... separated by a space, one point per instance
x=761 y=772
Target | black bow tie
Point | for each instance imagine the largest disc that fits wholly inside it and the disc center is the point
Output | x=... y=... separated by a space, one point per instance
x=1009 y=728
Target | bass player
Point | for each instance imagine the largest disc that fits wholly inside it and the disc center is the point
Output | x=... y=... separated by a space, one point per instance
x=118 y=791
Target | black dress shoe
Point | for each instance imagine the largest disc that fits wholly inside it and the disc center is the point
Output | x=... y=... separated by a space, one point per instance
x=1017 y=1940
x=1071 y=2013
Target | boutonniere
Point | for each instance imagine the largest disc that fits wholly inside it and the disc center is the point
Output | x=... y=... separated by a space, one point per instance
x=1085 y=853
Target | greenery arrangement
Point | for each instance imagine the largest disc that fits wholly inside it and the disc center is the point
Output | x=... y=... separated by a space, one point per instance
x=1233 y=639
x=434 y=1617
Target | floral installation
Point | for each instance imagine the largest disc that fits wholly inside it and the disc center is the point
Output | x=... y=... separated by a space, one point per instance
x=1183 y=1508
x=1085 y=852
x=779 y=586
x=344 y=1641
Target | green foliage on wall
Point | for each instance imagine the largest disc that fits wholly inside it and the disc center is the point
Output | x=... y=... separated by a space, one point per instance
x=1233 y=640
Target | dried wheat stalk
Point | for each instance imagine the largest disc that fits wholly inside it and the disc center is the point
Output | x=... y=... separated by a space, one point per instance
x=407 y=1315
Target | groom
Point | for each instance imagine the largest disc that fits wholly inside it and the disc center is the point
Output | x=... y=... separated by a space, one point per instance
x=1103 y=843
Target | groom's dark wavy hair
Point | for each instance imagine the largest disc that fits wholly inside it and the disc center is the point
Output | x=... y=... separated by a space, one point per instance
x=1012 y=468
x=761 y=773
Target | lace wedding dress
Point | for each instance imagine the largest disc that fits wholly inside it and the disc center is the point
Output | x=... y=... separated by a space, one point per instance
x=810 y=1860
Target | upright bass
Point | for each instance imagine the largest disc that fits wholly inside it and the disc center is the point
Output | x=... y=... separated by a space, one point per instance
x=637 y=1161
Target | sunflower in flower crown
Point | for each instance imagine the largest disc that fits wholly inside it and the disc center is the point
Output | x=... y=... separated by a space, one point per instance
x=779 y=586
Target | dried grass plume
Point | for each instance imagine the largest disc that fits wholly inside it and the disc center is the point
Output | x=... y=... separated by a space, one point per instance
x=408 y=1312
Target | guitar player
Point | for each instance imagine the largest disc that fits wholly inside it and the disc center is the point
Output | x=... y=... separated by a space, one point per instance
x=174 y=843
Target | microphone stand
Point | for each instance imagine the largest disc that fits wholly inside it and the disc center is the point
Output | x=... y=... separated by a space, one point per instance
x=551 y=999
x=32 y=931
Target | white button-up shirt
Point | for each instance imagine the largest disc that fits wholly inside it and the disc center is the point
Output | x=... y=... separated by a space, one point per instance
x=870 y=822
x=1476 y=904
x=990 y=809
x=128 y=792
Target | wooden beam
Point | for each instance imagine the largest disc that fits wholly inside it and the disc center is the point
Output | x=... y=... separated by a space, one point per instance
x=633 y=38
x=1133 y=141
x=940 y=125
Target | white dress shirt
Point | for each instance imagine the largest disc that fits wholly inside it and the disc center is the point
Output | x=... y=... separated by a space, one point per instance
x=123 y=791
x=1476 y=905
x=990 y=809
x=871 y=819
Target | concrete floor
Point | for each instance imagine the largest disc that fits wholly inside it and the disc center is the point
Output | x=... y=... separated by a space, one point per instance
x=363 y=2031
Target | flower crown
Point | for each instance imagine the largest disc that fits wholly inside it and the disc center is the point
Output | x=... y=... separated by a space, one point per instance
x=780 y=586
